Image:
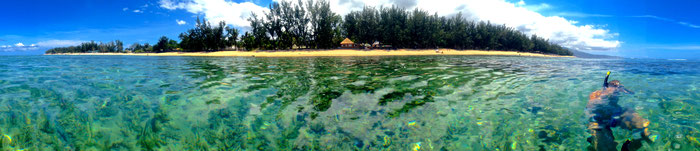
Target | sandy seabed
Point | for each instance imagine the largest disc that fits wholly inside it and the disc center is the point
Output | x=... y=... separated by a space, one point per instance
x=332 y=53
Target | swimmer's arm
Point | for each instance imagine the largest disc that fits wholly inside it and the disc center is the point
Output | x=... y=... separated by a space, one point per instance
x=589 y=114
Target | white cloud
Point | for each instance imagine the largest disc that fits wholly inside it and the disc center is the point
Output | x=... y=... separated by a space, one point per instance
x=537 y=7
x=180 y=22
x=675 y=47
x=653 y=17
x=125 y=9
x=137 y=11
x=688 y=24
x=668 y=20
x=576 y=14
x=43 y=44
x=523 y=17
x=217 y=10
x=59 y=43
x=168 y=4
x=17 y=47
x=517 y=15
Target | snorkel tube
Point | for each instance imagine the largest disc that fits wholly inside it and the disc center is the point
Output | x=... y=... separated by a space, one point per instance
x=616 y=84
x=605 y=83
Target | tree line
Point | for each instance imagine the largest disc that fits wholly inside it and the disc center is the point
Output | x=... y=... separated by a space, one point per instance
x=312 y=25
x=204 y=37
x=92 y=46
x=419 y=29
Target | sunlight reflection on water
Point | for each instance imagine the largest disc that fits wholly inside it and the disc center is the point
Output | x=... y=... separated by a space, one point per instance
x=345 y=103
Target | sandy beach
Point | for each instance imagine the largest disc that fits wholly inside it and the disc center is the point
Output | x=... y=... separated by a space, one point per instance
x=331 y=53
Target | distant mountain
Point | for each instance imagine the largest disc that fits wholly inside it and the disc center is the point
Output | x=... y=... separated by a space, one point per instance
x=581 y=54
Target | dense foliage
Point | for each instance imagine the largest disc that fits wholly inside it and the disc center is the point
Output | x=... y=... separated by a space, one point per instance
x=289 y=26
x=204 y=37
x=419 y=29
x=139 y=48
x=164 y=44
x=92 y=46
x=285 y=26
x=312 y=25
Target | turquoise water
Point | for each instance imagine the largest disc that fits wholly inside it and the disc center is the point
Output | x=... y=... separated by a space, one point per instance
x=336 y=103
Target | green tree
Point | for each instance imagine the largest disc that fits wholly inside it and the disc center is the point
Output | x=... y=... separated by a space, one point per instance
x=325 y=25
x=258 y=31
x=162 y=45
x=232 y=37
x=312 y=24
x=120 y=45
x=137 y=48
x=248 y=41
x=205 y=37
x=173 y=45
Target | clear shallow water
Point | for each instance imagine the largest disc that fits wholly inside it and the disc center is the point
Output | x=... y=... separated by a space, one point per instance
x=362 y=103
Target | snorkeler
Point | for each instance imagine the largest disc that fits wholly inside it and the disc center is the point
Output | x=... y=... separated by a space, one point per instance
x=603 y=113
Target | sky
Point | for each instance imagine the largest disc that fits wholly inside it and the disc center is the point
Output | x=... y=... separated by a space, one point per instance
x=636 y=29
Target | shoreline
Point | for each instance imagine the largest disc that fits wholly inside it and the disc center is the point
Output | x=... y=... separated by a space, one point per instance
x=332 y=53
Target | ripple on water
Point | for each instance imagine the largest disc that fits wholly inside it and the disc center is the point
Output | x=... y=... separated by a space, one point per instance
x=325 y=103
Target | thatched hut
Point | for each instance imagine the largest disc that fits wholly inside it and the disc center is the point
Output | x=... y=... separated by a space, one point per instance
x=347 y=43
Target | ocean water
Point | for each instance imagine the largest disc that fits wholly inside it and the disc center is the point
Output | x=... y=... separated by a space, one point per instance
x=333 y=103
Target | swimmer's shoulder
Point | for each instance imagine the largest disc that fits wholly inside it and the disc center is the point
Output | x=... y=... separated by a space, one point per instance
x=595 y=95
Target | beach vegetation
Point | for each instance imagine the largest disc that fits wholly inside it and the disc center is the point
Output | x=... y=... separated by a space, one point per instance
x=89 y=47
x=165 y=45
x=312 y=25
x=140 y=48
x=418 y=29
x=205 y=37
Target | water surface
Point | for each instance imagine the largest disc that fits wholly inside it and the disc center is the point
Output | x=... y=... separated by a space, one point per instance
x=333 y=103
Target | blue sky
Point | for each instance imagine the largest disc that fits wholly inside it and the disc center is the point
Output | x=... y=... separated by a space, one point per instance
x=650 y=29
x=640 y=29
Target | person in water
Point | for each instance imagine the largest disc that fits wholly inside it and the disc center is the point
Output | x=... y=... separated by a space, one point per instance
x=603 y=113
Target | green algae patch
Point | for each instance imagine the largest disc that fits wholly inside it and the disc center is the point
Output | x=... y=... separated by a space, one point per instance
x=323 y=100
x=326 y=103
x=390 y=97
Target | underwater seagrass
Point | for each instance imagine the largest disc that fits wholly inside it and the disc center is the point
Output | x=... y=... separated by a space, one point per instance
x=328 y=103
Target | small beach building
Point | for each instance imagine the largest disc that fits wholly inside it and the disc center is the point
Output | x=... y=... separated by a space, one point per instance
x=347 y=43
x=379 y=45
